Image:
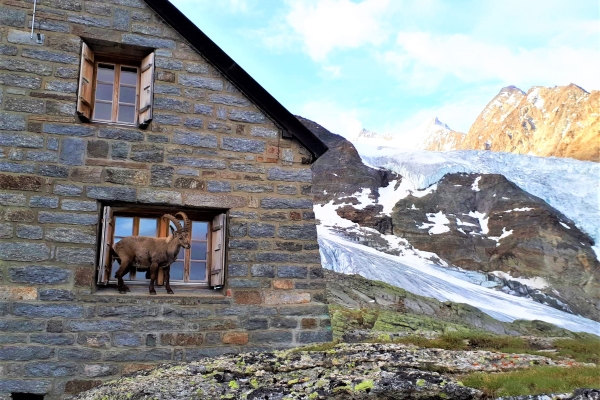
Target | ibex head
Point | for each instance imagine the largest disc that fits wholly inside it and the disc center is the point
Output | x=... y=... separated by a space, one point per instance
x=180 y=233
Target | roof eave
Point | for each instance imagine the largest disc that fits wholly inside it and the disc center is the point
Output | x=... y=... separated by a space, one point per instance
x=236 y=74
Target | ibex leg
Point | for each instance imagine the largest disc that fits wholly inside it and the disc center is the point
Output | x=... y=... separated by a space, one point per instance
x=123 y=269
x=153 y=274
x=167 y=275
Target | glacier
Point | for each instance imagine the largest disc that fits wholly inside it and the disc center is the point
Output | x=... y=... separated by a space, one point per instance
x=423 y=277
x=571 y=186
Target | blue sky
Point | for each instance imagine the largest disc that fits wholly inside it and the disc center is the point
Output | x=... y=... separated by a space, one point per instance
x=391 y=65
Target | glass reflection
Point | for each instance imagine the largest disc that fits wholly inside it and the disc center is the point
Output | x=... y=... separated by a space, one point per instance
x=129 y=76
x=197 y=271
x=198 y=250
x=123 y=226
x=103 y=111
x=148 y=227
x=199 y=230
x=104 y=91
x=177 y=271
x=106 y=73
x=127 y=95
x=126 y=113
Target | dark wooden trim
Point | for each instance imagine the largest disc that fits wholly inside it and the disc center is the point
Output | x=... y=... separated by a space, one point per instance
x=290 y=125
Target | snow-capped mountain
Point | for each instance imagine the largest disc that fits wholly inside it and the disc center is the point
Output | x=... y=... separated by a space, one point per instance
x=563 y=121
x=370 y=206
x=438 y=134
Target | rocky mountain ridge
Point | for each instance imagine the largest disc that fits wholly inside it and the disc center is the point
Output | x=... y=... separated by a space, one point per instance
x=563 y=121
x=477 y=222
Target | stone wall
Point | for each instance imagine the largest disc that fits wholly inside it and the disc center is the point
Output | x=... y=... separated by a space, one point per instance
x=208 y=146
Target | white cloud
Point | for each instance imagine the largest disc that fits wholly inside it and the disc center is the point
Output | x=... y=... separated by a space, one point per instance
x=324 y=25
x=226 y=5
x=425 y=59
x=333 y=71
x=333 y=117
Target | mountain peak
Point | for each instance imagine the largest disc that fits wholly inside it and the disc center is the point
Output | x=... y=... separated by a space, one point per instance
x=511 y=89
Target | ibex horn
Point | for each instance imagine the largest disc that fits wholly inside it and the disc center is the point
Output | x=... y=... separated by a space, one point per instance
x=186 y=220
x=174 y=220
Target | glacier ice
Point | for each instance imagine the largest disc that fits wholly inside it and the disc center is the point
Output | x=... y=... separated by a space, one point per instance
x=422 y=277
x=571 y=186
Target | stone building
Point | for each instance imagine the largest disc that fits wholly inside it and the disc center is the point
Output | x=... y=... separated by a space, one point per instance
x=113 y=114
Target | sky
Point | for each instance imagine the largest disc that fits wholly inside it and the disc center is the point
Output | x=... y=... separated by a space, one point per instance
x=389 y=66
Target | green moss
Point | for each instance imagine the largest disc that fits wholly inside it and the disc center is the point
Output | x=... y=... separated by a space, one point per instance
x=313 y=395
x=254 y=383
x=234 y=385
x=364 y=385
x=421 y=382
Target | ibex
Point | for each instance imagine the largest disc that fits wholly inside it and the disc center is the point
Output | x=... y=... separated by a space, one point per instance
x=151 y=253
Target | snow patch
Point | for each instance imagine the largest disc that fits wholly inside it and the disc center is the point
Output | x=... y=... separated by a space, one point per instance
x=535 y=282
x=505 y=233
x=565 y=225
x=483 y=222
x=475 y=185
x=519 y=209
x=439 y=223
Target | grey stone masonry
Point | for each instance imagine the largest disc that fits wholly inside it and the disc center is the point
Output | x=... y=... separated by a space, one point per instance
x=208 y=150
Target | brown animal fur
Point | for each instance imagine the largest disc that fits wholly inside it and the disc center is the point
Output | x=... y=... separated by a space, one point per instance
x=150 y=253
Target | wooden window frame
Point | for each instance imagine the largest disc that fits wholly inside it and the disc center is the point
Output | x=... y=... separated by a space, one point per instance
x=215 y=250
x=143 y=61
x=117 y=64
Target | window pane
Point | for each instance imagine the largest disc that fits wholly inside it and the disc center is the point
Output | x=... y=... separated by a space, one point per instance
x=104 y=91
x=126 y=114
x=143 y=275
x=181 y=254
x=106 y=72
x=199 y=230
x=127 y=95
x=197 y=271
x=123 y=226
x=148 y=227
x=103 y=111
x=177 y=271
x=198 y=251
x=129 y=75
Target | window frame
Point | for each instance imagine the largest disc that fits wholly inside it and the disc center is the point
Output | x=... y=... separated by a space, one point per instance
x=117 y=63
x=212 y=217
x=143 y=59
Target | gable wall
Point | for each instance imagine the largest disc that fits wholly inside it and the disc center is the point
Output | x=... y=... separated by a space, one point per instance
x=208 y=146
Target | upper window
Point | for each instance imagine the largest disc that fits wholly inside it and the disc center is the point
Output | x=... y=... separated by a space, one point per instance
x=116 y=93
x=115 y=90
x=199 y=266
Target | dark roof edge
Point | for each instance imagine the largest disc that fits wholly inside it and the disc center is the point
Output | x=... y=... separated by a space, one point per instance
x=236 y=74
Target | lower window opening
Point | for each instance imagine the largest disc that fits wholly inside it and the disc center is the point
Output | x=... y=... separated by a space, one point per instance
x=199 y=266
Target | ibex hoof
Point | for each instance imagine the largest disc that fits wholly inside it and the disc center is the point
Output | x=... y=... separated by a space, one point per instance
x=170 y=291
x=153 y=292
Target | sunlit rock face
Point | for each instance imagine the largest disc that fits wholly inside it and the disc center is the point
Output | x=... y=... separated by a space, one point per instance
x=562 y=121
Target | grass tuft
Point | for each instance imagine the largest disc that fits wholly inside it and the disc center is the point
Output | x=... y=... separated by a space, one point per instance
x=534 y=381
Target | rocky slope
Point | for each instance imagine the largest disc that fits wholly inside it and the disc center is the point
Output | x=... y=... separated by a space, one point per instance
x=486 y=223
x=363 y=309
x=346 y=371
x=341 y=172
x=562 y=121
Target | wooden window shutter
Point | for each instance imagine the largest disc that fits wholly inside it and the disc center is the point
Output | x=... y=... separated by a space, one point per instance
x=217 y=260
x=105 y=262
x=86 y=78
x=146 y=90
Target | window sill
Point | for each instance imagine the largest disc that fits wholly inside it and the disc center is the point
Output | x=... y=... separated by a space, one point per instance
x=142 y=291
